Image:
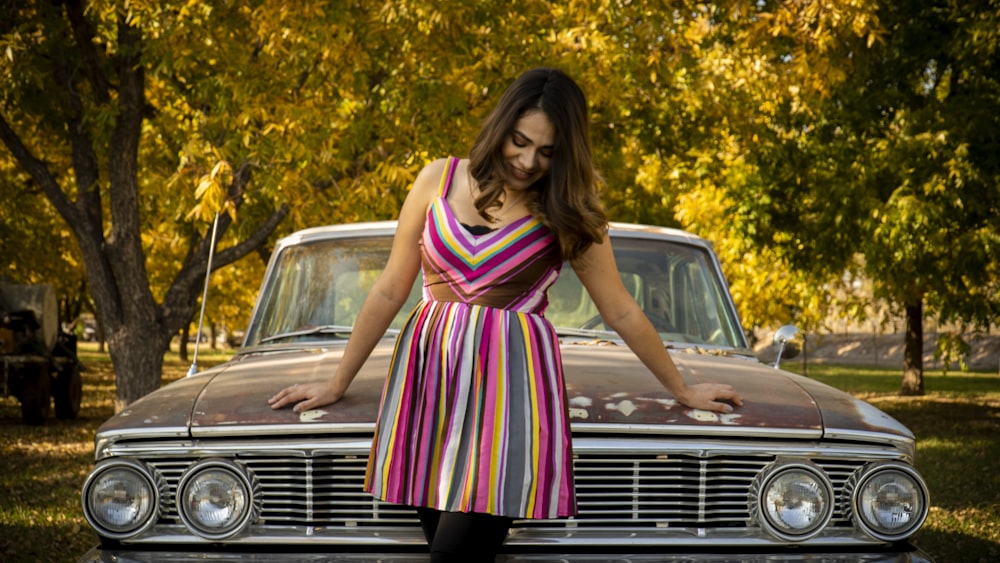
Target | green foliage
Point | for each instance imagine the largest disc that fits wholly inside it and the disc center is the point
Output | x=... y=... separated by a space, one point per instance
x=814 y=143
x=894 y=165
x=951 y=347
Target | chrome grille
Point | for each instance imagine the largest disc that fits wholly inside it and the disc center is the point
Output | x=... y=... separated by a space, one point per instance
x=661 y=491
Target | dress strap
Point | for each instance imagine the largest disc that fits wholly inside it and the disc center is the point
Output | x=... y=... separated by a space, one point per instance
x=449 y=173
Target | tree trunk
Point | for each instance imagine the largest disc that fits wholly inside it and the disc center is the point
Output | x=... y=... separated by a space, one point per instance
x=102 y=340
x=913 y=350
x=138 y=362
x=182 y=344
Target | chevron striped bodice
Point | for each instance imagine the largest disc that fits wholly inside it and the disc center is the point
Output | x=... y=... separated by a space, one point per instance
x=507 y=268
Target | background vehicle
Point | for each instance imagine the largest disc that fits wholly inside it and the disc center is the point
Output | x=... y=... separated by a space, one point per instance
x=801 y=472
x=39 y=358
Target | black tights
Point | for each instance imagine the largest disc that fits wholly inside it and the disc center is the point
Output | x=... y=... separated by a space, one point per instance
x=463 y=536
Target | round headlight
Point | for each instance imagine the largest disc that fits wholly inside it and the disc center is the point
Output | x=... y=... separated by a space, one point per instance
x=121 y=498
x=216 y=499
x=889 y=502
x=795 y=501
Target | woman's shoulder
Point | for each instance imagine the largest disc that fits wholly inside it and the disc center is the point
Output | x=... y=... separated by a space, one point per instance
x=429 y=177
x=437 y=168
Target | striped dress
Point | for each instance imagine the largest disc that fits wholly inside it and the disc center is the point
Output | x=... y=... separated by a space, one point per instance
x=473 y=415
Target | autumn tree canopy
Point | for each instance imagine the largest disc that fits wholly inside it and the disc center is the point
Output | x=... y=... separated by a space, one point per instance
x=783 y=132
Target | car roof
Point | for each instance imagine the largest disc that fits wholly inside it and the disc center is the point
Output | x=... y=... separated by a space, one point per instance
x=388 y=228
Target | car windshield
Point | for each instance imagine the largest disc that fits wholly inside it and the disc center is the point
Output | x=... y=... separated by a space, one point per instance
x=315 y=291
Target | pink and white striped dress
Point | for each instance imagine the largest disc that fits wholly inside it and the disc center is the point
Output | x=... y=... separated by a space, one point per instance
x=473 y=415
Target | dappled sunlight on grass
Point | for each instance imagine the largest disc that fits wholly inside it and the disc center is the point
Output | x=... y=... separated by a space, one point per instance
x=42 y=471
x=958 y=454
x=42 y=468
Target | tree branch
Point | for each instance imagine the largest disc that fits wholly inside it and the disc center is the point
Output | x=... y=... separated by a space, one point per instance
x=179 y=302
x=83 y=34
x=254 y=241
x=85 y=167
x=38 y=171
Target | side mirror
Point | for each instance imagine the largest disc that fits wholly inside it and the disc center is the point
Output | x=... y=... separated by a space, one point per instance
x=786 y=342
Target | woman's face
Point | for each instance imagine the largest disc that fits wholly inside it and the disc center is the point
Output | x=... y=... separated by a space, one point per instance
x=528 y=150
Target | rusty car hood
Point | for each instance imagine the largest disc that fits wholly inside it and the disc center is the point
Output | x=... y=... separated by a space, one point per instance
x=608 y=390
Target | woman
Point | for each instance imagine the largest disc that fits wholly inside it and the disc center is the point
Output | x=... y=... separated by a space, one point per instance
x=473 y=430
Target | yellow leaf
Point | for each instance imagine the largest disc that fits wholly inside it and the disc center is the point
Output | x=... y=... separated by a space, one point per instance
x=204 y=185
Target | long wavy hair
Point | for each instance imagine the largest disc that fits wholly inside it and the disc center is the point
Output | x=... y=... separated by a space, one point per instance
x=566 y=199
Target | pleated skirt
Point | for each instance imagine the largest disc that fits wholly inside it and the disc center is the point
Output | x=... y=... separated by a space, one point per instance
x=473 y=415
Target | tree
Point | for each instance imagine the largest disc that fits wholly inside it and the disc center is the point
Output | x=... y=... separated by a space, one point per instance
x=894 y=174
x=723 y=76
x=153 y=118
x=76 y=92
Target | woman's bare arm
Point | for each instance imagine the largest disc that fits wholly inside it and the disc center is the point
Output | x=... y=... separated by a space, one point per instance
x=383 y=302
x=599 y=273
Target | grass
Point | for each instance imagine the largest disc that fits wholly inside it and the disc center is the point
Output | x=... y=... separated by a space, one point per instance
x=42 y=468
x=957 y=424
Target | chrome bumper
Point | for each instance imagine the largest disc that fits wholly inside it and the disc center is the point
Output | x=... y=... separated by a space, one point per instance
x=125 y=555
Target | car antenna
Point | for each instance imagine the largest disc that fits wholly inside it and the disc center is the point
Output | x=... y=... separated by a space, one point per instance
x=204 y=297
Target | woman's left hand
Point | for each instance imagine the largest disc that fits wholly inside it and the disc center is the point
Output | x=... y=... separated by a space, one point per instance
x=306 y=397
x=715 y=397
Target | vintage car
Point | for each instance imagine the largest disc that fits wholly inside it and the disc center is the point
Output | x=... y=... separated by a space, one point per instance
x=204 y=469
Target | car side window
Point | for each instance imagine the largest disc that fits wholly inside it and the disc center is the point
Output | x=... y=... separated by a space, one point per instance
x=675 y=285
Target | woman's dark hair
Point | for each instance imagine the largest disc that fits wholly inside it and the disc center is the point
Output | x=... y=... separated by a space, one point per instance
x=566 y=199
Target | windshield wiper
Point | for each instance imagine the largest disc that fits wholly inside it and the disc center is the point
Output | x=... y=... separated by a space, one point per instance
x=322 y=329
x=610 y=335
x=586 y=332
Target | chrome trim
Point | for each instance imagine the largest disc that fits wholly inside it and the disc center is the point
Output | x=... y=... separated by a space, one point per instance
x=902 y=554
x=155 y=432
x=330 y=428
x=662 y=430
x=154 y=450
x=296 y=535
x=627 y=489
x=588 y=444
x=397 y=538
x=658 y=430
x=906 y=446
x=104 y=440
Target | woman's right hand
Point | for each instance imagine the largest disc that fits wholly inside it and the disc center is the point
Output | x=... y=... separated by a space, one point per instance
x=306 y=397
